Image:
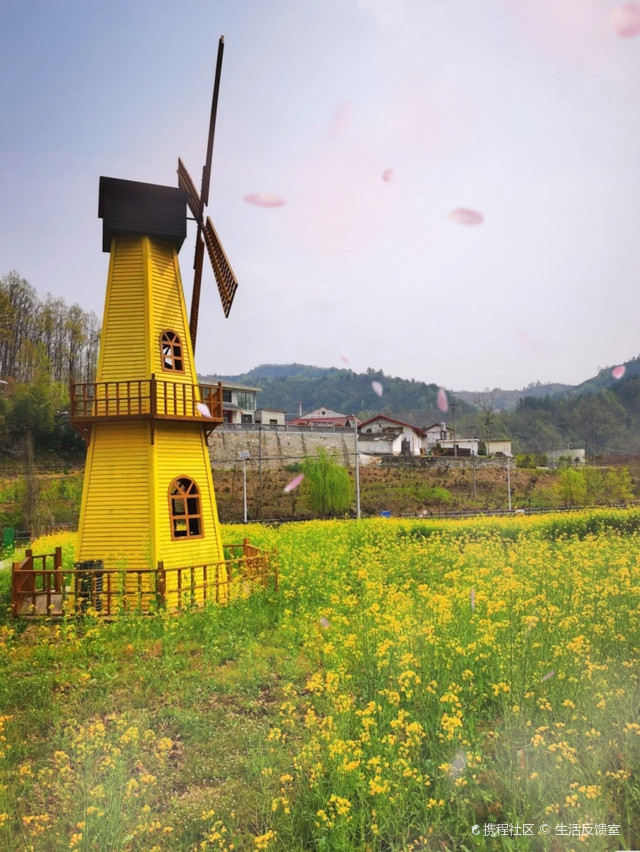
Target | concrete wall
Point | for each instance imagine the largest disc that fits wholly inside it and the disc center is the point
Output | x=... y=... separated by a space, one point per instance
x=278 y=448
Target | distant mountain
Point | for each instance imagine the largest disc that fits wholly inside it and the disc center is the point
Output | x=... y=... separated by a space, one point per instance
x=605 y=378
x=507 y=400
x=296 y=387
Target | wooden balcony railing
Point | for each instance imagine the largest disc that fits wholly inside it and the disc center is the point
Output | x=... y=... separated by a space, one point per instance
x=144 y=399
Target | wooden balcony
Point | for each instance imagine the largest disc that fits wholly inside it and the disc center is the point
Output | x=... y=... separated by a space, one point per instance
x=144 y=399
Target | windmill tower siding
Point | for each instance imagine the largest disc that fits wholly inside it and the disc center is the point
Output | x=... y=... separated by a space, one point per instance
x=153 y=436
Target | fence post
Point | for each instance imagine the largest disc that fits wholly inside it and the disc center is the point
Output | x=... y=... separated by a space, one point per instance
x=161 y=585
x=57 y=567
x=15 y=566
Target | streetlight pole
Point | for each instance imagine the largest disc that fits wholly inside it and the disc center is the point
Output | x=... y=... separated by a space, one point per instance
x=244 y=455
x=355 y=432
x=455 y=446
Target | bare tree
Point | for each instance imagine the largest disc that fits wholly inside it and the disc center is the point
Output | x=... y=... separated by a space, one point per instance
x=486 y=401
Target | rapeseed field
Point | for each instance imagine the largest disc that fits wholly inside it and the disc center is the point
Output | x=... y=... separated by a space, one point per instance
x=411 y=686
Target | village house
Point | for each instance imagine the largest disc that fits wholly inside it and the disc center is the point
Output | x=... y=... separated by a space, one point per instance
x=381 y=435
x=574 y=457
x=270 y=416
x=434 y=434
x=498 y=448
x=461 y=446
x=238 y=403
x=324 y=416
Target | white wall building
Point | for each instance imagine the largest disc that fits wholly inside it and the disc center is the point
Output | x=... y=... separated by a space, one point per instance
x=412 y=439
x=270 y=416
x=575 y=457
x=238 y=403
x=498 y=447
x=435 y=433
x=470 y=445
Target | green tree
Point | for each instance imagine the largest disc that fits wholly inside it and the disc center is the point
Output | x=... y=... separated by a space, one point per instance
x=326 y=486
x=594 y=482
x=571 y=487
x=618 y=486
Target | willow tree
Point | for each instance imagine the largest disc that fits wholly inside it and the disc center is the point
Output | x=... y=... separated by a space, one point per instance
x=327 y=486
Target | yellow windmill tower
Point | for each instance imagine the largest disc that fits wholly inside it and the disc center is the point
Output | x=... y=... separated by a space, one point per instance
x=148 y=494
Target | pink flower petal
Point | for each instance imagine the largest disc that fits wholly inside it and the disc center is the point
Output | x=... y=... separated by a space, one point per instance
x=203 y=409
x=387 y=174
x=377 y=388
x=625 y=20
x=443 y=403
x=293 y=484
x=548 y=676
x=464 y=216
x=618 y=372
x=324 y=622
x=261 y=200
x=472 y=598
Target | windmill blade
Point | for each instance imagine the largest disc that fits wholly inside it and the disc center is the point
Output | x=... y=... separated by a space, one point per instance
x=193 y=199
x=226 y=280
x=206 y=172
x=195 y=294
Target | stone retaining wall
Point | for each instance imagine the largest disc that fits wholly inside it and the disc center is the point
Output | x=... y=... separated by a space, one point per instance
x=275 y=449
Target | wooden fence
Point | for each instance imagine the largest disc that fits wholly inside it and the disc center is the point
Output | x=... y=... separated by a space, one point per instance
x=40 y=587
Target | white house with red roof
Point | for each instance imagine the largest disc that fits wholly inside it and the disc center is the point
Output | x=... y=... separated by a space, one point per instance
x=382 y=435
x=324 y=416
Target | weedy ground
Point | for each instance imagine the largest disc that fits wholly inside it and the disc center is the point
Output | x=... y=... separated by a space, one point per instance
x=408 y=681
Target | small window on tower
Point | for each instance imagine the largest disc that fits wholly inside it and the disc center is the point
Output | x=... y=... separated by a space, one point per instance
x=185 y=509
x=171 y=352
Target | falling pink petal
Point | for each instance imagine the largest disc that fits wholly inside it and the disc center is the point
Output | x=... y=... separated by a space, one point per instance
x=548 y=676
x=464 y=216
x=443 y=403
x=625 y=20
x=377 y=388
x=324 y=622
x=346 y=360
x=261 y=200
x=293 y=484
x=387 y=174
x=203 y=409
x=618 y=372
x=472 y=598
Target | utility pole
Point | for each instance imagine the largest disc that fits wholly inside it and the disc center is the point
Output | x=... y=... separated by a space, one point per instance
x=509 y=480
x=244 y=455
x=259 y=513
x=473 y=465
x=453 y=406
x=355 y=427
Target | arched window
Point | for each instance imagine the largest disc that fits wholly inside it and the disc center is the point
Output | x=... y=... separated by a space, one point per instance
x=171 y=351
x=185 y=509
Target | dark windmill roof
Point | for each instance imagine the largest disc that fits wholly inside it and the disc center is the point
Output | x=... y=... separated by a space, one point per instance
x=131 y=208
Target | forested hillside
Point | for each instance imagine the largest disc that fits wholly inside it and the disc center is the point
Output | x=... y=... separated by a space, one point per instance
x=294 y=386
x=43 y=344
x=44 y=337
